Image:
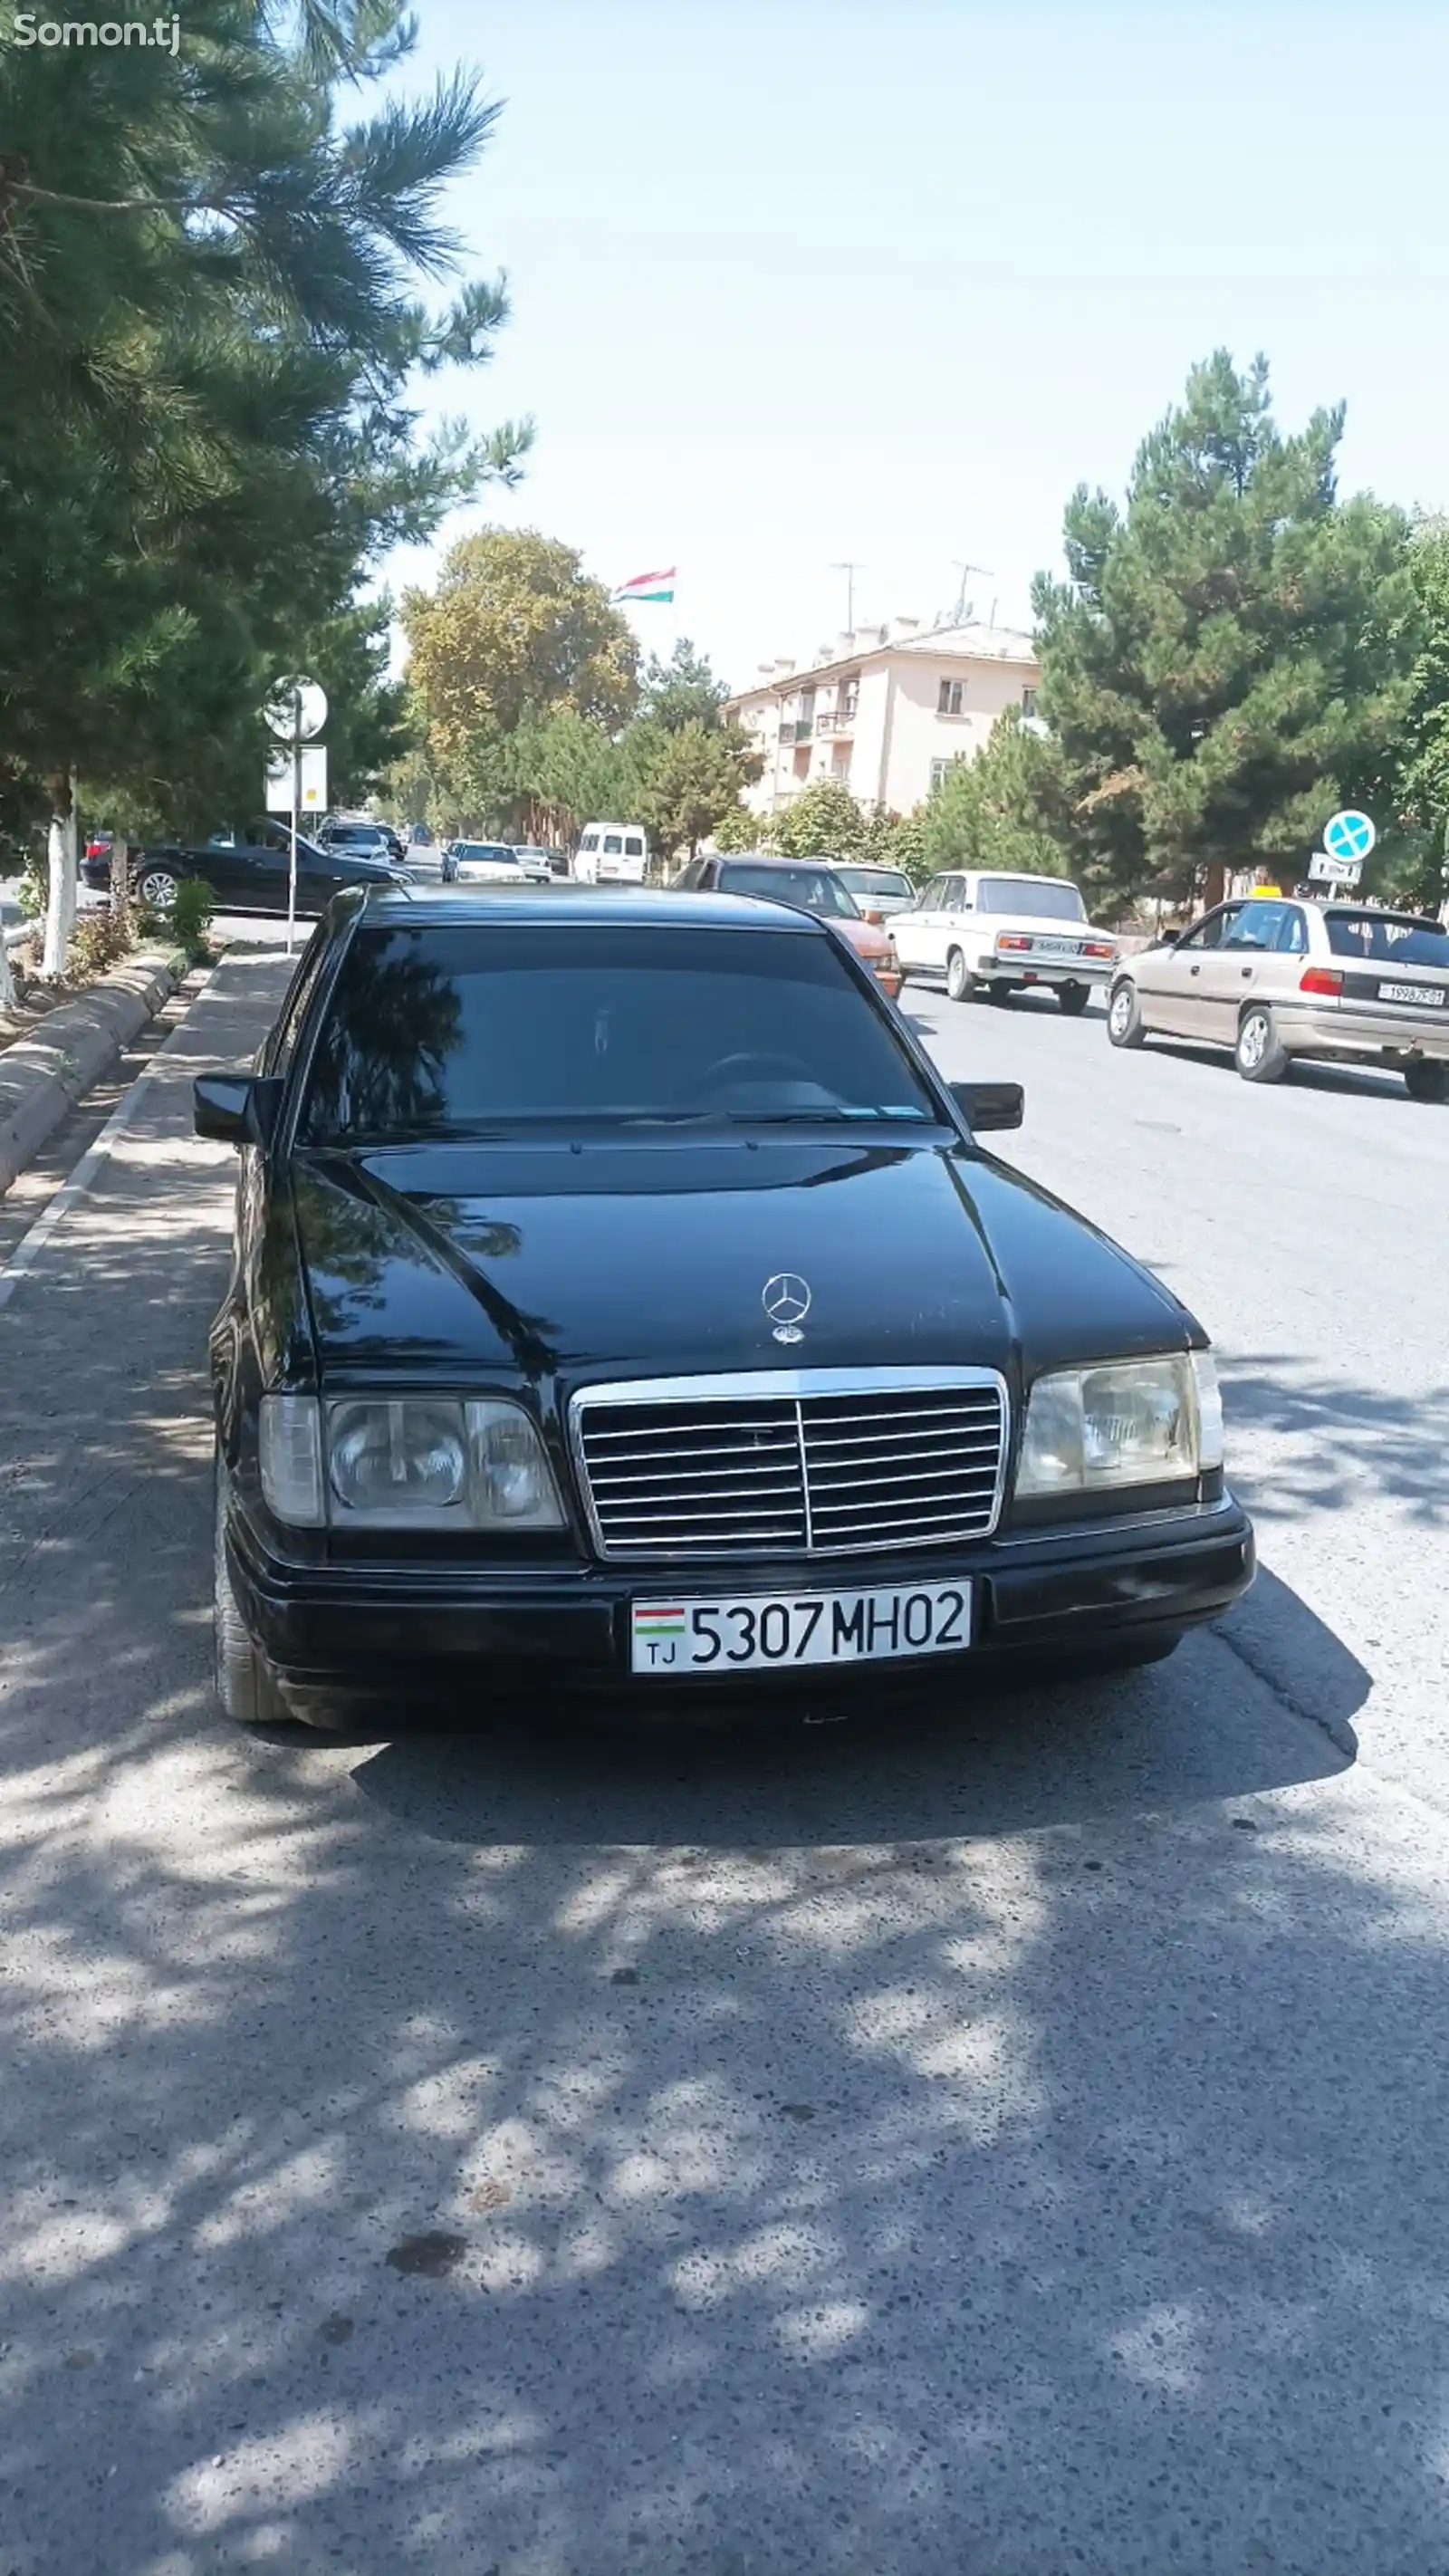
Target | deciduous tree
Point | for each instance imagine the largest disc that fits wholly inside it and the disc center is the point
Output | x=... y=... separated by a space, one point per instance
x=515 y=631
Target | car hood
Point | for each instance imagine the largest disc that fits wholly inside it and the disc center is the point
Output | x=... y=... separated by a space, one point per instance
x=571 y=1261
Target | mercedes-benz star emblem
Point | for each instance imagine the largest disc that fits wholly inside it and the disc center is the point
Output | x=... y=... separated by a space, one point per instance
x=786 y=1300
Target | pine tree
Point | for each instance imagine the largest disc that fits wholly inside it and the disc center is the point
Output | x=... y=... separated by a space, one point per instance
x=1229 y=651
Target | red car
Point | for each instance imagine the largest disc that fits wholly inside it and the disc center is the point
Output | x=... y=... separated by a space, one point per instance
x=807 y=885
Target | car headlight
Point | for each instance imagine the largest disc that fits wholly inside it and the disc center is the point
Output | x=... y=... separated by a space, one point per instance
x=405 y=1462
x=1121 y=1422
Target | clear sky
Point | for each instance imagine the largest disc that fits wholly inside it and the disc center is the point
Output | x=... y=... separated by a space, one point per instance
x=886 y=278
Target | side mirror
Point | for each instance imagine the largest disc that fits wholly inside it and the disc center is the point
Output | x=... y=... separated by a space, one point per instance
x=236 y=1108
x=989 y=1104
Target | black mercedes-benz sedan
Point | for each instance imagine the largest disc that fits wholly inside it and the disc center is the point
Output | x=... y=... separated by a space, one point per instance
x=622 y=1299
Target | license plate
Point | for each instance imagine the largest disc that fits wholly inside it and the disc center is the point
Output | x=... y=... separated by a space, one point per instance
x=1427 y=996
x=779 y=1629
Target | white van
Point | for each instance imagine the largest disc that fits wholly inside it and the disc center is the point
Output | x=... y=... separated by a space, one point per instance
x=611 y=854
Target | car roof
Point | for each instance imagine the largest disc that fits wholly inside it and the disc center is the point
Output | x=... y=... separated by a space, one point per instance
x=650 y=905
x=768 y=859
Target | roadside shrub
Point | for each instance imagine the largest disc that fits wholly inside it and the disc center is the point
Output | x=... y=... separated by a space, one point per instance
x=190 y=919
x=30 y=893
x=95 y=943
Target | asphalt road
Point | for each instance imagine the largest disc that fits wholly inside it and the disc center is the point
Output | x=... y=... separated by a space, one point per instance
x=1002 y=2138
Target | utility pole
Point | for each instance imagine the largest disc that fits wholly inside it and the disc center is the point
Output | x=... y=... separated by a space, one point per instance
x=850 y=570
x=958 y=614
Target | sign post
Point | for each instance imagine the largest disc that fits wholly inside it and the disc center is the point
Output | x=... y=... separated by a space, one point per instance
x=296 y=711
x=1348 y=837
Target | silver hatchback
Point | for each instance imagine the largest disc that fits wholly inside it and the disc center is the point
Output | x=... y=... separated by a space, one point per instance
x=1273 y=979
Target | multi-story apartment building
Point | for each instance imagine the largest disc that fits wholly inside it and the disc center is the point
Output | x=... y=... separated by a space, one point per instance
x=886 y=713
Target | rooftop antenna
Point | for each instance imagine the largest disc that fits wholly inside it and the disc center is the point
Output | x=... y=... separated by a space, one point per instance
x=850 y=570
x=958 y=614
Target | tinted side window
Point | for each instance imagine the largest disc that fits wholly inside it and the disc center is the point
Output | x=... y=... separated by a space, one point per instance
x=953 y=894
x=633 y=845
x=1292 y=939
x=281 y=1045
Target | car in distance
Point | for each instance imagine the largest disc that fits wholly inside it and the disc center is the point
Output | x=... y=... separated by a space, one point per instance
x=343 y=832
x=486 y=863
x=537 y=864
x=622 y=1298
x=878 y=891
x=986 y=935
x=1273 y=978
x=810 y=885
x=612 y=854
x=248 y=869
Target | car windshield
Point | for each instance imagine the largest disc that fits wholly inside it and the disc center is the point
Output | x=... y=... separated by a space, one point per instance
x=435 y=1031
x=806 y=889
x=1046 y=898
x=1389 y=938
x=486 y=850
x=875 y=881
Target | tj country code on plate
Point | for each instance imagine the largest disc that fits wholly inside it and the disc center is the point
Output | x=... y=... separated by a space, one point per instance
x=779 y=1629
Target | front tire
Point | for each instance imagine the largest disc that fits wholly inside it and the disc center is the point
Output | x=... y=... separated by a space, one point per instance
x=1125 y=1024
x=157 y=886
x=244 y=1683
x=1427 y=1081
x=1073 y=999
x=960 y=981
x=1260 y=1054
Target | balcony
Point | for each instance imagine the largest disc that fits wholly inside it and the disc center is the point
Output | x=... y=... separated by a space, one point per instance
x=837 y=724
x=791 y=731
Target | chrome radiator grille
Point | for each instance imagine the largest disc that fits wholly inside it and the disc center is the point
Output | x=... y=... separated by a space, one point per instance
x=825 y=1463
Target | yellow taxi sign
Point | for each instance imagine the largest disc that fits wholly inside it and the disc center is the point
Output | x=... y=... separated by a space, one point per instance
x=1256 y=894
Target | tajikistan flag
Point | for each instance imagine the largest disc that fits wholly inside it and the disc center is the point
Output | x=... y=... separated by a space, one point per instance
x=646 y=585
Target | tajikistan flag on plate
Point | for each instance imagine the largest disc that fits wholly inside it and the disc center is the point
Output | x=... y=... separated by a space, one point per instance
x=646 y=585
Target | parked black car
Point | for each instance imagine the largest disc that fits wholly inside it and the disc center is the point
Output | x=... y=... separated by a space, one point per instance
x=622 y=1298
x=248 y=869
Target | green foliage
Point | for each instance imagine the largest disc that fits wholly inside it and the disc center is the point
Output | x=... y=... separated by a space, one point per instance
x=1005 y=809
x=514 y=633
x=738 y=829
x=823 y=822
x=190 y=919
x=897 y=841
x=689 y=779
x=97 y=941
x=209 y=325
x=1412 y=861
x=1227 y=654
x=681 y=691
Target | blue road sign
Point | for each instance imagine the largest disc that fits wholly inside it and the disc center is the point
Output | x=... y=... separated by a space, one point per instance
x=1349 y=835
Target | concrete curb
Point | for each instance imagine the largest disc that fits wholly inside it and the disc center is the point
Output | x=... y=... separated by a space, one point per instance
x=42 y=1077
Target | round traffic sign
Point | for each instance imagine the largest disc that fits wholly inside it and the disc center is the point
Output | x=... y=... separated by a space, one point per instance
x=297 y=709
x=1349 y=835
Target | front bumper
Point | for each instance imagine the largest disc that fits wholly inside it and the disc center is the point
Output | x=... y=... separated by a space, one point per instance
x=1047 y=1593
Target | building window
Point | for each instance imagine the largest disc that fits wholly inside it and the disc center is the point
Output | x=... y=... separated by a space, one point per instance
x=948 y=702
x=849 y=699
x=941 y=769
x=1028 y=702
